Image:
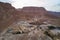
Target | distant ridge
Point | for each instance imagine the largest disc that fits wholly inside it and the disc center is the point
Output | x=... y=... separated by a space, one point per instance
x=54 y=13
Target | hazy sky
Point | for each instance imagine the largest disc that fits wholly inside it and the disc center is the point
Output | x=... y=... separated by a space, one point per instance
x=52 y=5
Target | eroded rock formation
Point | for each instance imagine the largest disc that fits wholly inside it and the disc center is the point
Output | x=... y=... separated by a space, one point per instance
x=28 y=23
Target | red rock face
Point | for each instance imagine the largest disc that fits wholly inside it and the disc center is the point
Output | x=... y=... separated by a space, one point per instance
x=34 y=11
x=31 y=12
x=6 y=15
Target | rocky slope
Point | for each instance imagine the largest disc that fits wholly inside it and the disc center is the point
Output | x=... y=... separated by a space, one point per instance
x=23 y=30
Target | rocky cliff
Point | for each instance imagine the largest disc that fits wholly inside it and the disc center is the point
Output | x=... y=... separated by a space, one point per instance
x=6 y=15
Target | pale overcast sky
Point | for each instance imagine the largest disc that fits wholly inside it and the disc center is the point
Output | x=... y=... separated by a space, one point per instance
x=52 y=5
